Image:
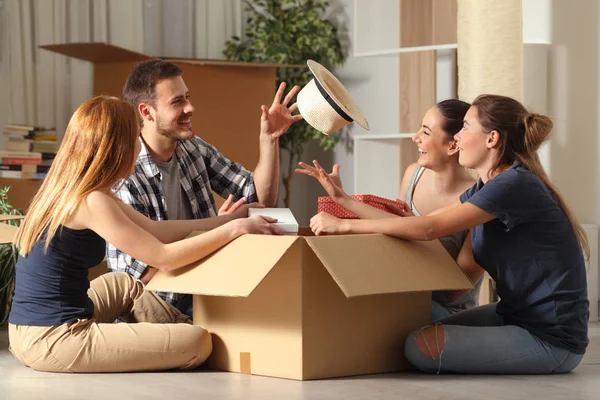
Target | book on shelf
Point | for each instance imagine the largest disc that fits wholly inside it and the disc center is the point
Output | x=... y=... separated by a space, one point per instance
x=28 y=153
x=22 y=127
x=20 y=154
x=38 y=146
x=39 y=175
x=33 y=168
x=47 y=137
x=23 y=175
x=49 y=157
x=10 y=127
x=20 y=131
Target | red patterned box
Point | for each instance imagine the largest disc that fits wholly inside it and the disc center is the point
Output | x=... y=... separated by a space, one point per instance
x=329 y=206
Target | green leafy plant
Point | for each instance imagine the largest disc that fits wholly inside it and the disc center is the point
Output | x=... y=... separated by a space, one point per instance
x=8 y=257
x=290 y=32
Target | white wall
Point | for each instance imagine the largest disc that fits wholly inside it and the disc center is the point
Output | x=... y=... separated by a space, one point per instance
x=573 y=90
x=373 y=83
x=574 y=105
x=569 y=92
x=378 y=25
x=537 y=21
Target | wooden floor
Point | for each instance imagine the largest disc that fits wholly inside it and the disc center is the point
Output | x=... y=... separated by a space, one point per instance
x=19 y=382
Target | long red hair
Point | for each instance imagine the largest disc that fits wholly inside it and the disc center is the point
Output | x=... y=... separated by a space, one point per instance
x=97 y=151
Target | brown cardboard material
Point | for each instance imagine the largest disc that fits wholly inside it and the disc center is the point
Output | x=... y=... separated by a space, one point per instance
x=305 y=307
x=98 y=270
x=226 y=95
x=8 y=232
x=10 y=217
x=245 y=364
x=21 y=191
x=96 y=52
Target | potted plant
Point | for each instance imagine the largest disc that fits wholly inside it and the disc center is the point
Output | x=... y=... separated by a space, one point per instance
x=290 y=32
x=8 y=258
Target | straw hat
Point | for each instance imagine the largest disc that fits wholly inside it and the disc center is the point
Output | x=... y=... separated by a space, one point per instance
x=326 y=104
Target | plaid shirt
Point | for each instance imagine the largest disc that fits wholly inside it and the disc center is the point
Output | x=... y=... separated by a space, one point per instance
x=202 y=169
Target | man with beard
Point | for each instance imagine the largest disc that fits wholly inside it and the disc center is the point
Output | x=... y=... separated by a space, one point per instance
x=176 y=171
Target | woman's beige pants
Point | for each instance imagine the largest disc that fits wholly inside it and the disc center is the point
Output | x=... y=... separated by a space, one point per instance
x=156 y=336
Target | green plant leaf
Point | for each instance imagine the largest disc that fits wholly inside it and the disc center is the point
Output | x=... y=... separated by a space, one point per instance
x=290 y=32
x=8 y=257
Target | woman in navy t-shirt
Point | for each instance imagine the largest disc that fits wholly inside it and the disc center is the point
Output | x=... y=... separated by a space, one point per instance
x=523 y=234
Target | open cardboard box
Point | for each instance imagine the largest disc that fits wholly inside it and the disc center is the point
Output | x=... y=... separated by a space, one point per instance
x=306 y=307
x=8 y=232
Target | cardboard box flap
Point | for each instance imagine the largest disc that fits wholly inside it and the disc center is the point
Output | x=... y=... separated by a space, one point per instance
x=10 y=217
x=96 y=52
x=377 y=264
x=231 y=63
x=99 y=52
x=234 y=271
x=8 y=232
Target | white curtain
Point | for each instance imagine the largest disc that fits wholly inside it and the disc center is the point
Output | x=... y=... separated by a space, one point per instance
x=42 y=88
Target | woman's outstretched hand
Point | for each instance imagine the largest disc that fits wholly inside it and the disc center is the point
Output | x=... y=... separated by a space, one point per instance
x=330 y=182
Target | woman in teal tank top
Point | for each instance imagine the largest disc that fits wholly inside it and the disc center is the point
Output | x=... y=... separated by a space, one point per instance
x=433 y=182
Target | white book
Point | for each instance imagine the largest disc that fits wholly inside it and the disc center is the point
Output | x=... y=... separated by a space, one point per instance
x=285 y=218
x=12 y=174
x=20 y=154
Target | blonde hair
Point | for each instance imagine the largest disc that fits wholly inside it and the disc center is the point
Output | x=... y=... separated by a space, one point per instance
x=521 y=135
x=96 y=152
